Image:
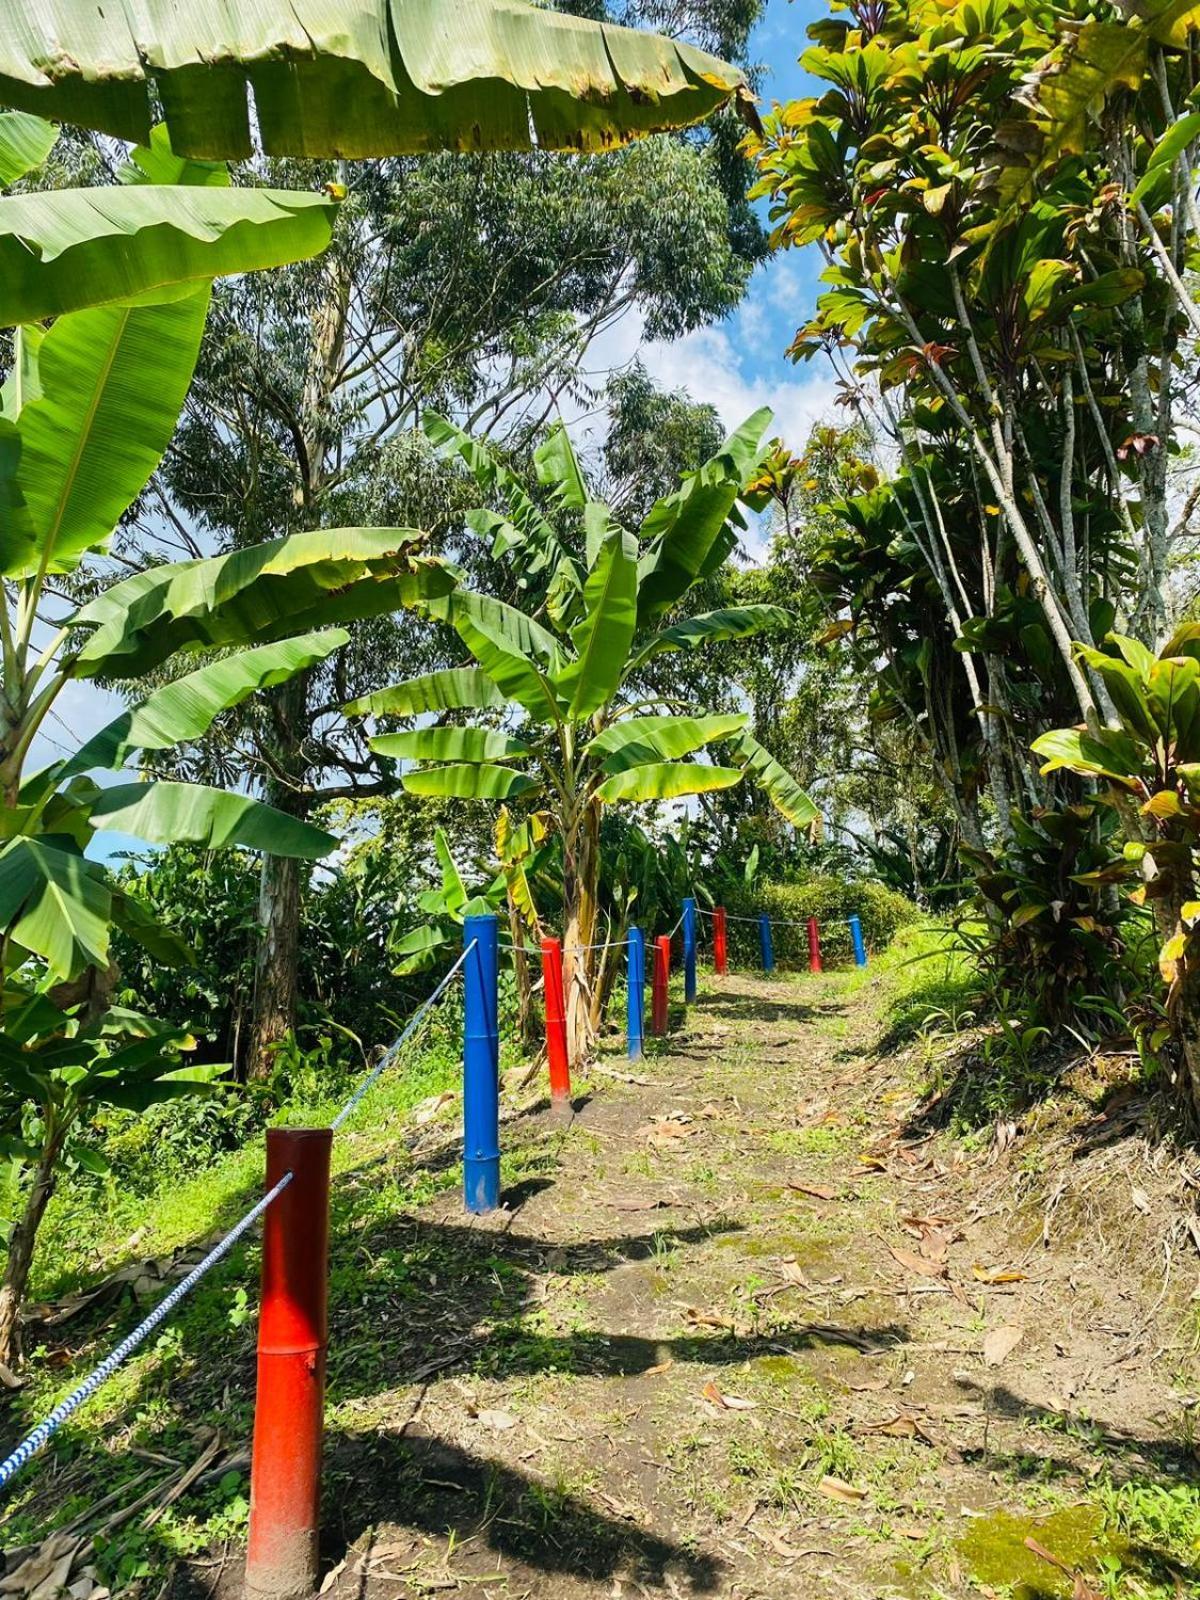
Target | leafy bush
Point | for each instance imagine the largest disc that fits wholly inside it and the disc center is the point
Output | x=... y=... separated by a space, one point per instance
x=832 y=901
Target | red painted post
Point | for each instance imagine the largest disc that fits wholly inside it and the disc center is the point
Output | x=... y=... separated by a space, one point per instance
x=720 y=950
x=285 y=1470
x=662 y=977
x=814 y=946
x=556 y=1021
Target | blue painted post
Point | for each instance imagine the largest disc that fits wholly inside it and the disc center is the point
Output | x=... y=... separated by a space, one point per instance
x=765 y=944
x=481 y=1065
x=860 y=949
x=689 y=951
x=635 y=1011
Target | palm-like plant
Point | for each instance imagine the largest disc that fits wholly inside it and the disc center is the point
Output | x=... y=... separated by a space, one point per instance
x=568 y=717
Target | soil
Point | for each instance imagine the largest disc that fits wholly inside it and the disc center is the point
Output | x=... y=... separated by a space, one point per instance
x=751 y=1323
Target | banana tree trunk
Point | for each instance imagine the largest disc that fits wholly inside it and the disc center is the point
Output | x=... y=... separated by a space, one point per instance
x=581 y=881
x=526 y=1013
x=21 y=1242
x=277 y=957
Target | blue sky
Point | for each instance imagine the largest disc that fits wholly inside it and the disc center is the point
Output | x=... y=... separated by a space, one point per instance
x=740 y=364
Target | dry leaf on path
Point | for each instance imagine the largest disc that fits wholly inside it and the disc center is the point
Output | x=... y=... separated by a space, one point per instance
x=696 y=1318
x=818 y=1191
x=499 y=1421
x=999 y=1343
x=921 y=1265
x=793 y=1273
x=727 y=1402
x=837 y=1489
x=997 y=1274
x=902 y=1426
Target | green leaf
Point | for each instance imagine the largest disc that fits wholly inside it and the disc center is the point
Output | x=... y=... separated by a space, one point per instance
x=171 y=1085
x=776 y=782
x=55 y=905
x=557 y=467
x=666 y=780
x=112 y=384
x=384 y=78
x=468 y=783
x=687 y=527
x=714 y=627
x=25 y=142
x=453 y=689
x=133 y=918
x=507 y=644
x=448 y=744
x=193 y=813
x=183 y=710
x=453 y=888
x=1111 y=755
x=264 y=592
x=635 y=741
x=1181 y=133
x=526 y=530
x=418 y=950
x=70 y=249
x=604 y=634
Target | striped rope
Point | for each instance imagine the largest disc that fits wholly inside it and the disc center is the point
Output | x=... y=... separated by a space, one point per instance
x=390 y=1055
x=38 y=1439
x=45 y=1430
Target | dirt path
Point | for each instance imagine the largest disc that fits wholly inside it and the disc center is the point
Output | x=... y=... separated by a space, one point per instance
x=743 y=1330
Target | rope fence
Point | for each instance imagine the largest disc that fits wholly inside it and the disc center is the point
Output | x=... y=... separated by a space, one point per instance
x=292 y=1330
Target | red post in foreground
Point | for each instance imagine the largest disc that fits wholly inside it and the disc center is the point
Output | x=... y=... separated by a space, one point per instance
x=720 y=950
x=285 y=1471
x=556 y=1021
x=814 y=946
x=662 y=977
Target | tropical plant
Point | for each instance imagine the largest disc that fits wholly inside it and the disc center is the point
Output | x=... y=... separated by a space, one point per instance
x=170 y=225
x=1008 y=314
x=1149 y=769
x=397 y=75
x=85 y=414
x=576 y=686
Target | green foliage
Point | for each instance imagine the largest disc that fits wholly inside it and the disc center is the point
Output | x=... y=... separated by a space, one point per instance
x=387 y=81
x=831 y=900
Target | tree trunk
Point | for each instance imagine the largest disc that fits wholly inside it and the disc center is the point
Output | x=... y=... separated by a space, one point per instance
x=526 y=1012
x=581 y=872
x=1185 y=1015
x=20 y=1248
x=277 y=958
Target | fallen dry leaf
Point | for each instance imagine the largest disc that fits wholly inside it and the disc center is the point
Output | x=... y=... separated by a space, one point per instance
x=902 y=1426
x=921 y=1265
x=818 y=1191
x=663 y=1366
x=999 y=1343
x=705 y=1319
x=847 y=1493
x=997 y=1274
x=727 y=1402
x=499 y=1421
x=428 y=1109
x=792 y=1272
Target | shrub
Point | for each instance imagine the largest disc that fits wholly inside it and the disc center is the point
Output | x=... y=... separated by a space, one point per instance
x=831 y=900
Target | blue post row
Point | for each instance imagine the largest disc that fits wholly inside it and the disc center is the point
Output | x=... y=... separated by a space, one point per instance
x=860 y=949
x=481 y=1065
x=635 y=1003
x=689 y=951
x=765 y=943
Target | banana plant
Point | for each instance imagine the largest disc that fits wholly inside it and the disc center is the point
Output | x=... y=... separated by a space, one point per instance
x=385 y=78
x=85 y=415
x=169 y=226
x=566 y=716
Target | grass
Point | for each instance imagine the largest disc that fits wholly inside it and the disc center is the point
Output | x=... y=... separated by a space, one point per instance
x=172 y=1385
